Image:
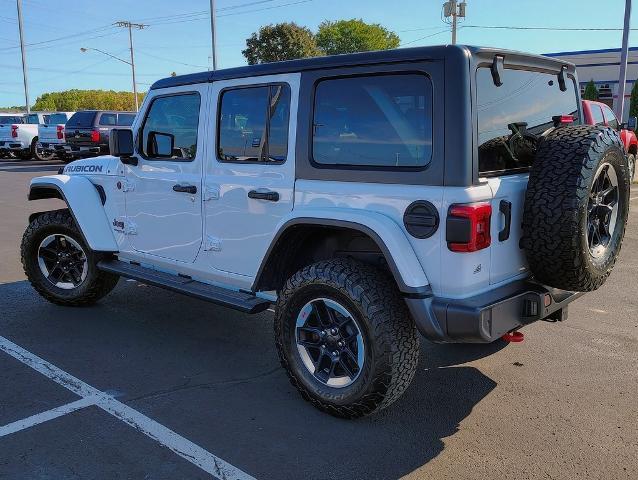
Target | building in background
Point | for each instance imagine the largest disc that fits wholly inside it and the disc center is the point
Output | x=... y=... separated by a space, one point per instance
x=603 y=67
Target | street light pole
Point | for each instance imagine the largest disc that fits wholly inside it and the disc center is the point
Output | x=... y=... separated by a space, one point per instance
x=620 y=106
x=24 y=56
x=130 y=27
x=213 y=32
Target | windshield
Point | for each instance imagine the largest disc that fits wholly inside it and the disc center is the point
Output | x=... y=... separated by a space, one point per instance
x=513 y=116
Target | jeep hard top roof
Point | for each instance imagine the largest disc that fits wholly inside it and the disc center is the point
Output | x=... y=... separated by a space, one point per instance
x=438 y=52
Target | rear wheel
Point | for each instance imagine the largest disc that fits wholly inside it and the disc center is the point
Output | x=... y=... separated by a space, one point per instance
x=40 y=155
x=59 y=264
x=345 y=337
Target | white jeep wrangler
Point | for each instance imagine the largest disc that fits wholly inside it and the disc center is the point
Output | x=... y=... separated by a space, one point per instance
x=447 y=190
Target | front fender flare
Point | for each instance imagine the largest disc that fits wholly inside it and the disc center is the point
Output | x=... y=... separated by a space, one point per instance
x=85 y=204
x=390 y=238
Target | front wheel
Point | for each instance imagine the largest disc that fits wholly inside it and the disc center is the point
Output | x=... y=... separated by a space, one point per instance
x=59 y=264
x=345 y=337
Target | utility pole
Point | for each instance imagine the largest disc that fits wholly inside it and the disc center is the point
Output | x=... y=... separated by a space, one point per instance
x=454 y=10
x=24 y=56
x=620 y=105
x=213 y=33
x=130 y=27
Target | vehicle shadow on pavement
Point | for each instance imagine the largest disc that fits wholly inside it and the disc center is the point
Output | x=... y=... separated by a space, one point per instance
x=213 y=376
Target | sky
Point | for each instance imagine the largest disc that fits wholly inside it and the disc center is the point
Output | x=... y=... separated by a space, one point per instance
x=177 y=37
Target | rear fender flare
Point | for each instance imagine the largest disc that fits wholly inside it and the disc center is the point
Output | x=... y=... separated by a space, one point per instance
x=85 y=204
x=389 y=237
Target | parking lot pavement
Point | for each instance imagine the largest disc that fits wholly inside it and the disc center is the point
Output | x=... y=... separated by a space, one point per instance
x=560 y=405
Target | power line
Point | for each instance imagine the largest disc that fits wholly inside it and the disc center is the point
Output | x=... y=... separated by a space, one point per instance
x=566 y=29
x=170 y=60
x=65 y=37
x=427 y=36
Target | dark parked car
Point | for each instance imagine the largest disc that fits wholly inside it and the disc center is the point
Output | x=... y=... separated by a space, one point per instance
x=87 y=132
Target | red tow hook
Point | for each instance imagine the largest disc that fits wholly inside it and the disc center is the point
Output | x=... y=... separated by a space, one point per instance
x=515 y=337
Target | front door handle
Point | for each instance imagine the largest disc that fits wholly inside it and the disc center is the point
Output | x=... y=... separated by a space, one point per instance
x=264 y=195
x=192 y=189
x=505 y=208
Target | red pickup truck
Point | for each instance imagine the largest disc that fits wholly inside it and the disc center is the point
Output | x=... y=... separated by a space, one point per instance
x=598 y=113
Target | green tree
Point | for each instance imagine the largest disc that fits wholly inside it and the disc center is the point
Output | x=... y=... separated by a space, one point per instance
x=282 y=41
x=351 y=36
x=633 y=101
x=73 y=100
x=591 y=92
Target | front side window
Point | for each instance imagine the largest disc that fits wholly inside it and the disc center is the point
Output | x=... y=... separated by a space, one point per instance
x=513 y=116
x=373 y=121
x=253 y=124
x=125 y=119
x=612 y=121
x=169 y=131
x=597 y=114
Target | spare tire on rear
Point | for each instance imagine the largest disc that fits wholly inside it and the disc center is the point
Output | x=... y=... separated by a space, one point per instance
x=576 y=207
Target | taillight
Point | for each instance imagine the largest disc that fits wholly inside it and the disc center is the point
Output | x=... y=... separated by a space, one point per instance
x=14 y=131
x=95 y=136
x=468 y=227
x=60 y=131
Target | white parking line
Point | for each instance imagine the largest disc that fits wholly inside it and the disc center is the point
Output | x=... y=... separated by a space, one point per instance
x=46 y=416
x=158 y=432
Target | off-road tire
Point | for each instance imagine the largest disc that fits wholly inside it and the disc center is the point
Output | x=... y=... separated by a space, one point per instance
x=556 y=203
x=389 y=332
x=96 y=284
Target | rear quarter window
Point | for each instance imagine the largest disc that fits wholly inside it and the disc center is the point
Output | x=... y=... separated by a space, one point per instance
x=373 y=121
x=512 y=116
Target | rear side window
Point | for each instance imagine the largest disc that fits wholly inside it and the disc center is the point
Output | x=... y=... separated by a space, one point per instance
x=597 y=115
x=373 y=121
x=253 y=124
x=612 y=121
x=174 y=117
x=108 y=119
x=513 y=116
x=125 y=119
x=81 y=120
x=33 y=119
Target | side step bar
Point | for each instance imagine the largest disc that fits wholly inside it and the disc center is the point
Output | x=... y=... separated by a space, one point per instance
x=242 y=301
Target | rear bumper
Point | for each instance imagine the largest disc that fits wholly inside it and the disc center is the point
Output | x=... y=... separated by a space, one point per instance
x=486 y=317
x=76 y=150
x=13 y=145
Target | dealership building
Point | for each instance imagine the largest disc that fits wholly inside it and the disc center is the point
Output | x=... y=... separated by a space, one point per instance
x=603 y=67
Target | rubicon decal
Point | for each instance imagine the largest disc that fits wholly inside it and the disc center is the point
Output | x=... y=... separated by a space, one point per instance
x=83 y=169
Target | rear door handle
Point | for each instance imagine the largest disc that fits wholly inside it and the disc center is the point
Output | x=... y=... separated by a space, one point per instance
x=505 y=208
x=192 y=189
x=264 y=195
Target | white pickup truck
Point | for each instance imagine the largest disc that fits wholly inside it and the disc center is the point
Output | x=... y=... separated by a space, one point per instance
x=51 y=135
x=8 y=119
x=20 y=137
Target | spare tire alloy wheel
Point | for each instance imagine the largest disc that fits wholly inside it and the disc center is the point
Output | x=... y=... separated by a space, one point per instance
x=576 y=207
x=602 y=210
x=330 y=342
x=62 y=261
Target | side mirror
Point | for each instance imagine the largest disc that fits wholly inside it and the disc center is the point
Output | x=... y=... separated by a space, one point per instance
x=632 y=123
x=121 y=145
x=160 y=145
